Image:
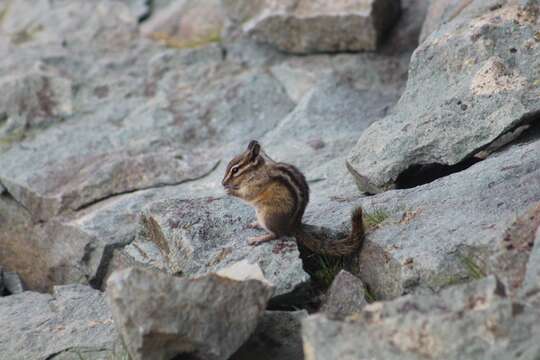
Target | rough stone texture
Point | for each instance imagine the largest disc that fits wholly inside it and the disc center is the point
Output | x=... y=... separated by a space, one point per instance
x=439 y=12
x=34 y=99
x=188 y=23
x=214 y=315
x=474 y=80
x=444 y=232
x=75 y=319
x=475 y=321
x=277 y=336
x=139 y=8
x=140 y=110
x=315 y=26
x=12 y=283
x=197 y=236
x=2 y=287
x=514 y=256
x=345 y=297
x=531 y=281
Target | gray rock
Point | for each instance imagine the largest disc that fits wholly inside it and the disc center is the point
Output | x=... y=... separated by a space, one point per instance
x=514 y=259
x=197 y=236
x=206 y=310
x=33 y=100
x=345 y=297
x=307 y=27
x=2 y=287
x=531 y=279
x=139 y=8
x=12 y=283
x=277 y=336
x=99 y=25
x=40 y=326
x=439 y=12
x=475 y=322
x=486 y=90
x=445 y=232
x=186 y=23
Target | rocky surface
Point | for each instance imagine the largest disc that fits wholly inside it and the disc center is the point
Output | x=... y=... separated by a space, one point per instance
x=74 y=321
x=113 y=143
x=447 y=231
x=186 y=23
x=315 y=26
x=475 y=321
x=213 y=315
x=277 y=336
x=466 y=81
x=345 y=297
x=203 y=235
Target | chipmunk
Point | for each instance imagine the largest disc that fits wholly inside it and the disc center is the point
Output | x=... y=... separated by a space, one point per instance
x=279 y=193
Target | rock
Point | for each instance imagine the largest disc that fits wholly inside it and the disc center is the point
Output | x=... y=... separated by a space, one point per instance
x=12 y=283
x=75 y=319
x=485 y=92
x=206 y=310
x=345 y=297
x=277 y=336
x=475 y=321
x=33 y=100
x=307 y=27
x=531 y=280
x=198 y=236
x=186 y=24
x=439 y=12
x=446 y=231
x=139 y=8
x=58 y=189
x=107 y=25
x=515 y=256
x=2 y=287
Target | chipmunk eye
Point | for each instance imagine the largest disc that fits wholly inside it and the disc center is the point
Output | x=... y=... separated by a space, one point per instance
x=234 y=170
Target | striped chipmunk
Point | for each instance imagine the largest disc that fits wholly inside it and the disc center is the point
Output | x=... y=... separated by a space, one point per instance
x=279 y=193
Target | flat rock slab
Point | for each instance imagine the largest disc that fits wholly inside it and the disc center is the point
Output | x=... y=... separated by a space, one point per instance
x=475 y=321
x=160 y=316
x=197 y=236
x=445 y=232
x=71 y=183
x=306 y=26
x=471 y=84
x=75 y=318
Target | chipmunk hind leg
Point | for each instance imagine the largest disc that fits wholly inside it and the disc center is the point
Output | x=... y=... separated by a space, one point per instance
x=277 y=225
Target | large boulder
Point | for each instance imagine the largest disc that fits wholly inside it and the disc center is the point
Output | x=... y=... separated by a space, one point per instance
x=73 y=322
x=210 y=317
x=472 y=88
x=310 y=26
x=197 y=236
x=452 y=229
x=475 y=321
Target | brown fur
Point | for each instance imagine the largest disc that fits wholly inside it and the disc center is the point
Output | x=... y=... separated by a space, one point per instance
x=279 y=193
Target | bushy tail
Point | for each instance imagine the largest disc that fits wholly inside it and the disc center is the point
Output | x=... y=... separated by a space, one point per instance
x=323 y=243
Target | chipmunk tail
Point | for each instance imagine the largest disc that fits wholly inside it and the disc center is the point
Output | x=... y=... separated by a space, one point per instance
x=358 y=231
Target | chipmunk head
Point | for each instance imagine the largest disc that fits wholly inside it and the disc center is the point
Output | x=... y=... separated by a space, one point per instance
x=242 y=171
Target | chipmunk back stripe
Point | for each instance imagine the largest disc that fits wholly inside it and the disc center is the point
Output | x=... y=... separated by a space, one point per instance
x=283 y=179
x=301 y=190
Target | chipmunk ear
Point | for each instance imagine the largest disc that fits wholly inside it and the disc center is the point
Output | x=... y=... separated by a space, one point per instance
x=254 y=148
